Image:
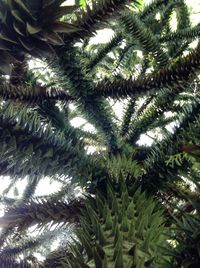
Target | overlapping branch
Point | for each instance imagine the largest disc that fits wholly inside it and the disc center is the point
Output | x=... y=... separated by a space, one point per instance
x=148 y=41
x=95 y=109
x=169 y=145
x=91 y=20
x=30 y=141
x=178 y=74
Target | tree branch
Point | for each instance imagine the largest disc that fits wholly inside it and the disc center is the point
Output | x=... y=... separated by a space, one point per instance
x=178 y=74
x=33 y=94
x=91 y=20
x=42 y=213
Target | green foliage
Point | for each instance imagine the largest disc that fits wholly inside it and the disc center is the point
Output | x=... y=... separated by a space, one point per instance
x=187 y=251
x=89 y=21
x=29 y=30
x=127 y=202
x=118 y=234
x=176 y=159
x=124 y=166
x=104 y=51
x=173 y=76
x=149 y=43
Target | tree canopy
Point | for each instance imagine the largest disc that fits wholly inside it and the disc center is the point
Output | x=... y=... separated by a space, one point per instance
x=120 y=201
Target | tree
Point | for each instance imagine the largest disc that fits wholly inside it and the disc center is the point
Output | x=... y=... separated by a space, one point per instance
x=138 y=204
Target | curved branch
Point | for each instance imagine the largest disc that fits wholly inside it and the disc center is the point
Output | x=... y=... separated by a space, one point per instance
x=130 y=109
x=186 y=34
x=161 y=103
x=170 y=77
x=148 y=41
x=116 y=39
x=91 y=20
x=154 y=7
x=26 y=138
x=155 y=161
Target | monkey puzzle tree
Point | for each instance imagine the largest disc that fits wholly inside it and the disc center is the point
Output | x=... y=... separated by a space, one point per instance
x=139 y=204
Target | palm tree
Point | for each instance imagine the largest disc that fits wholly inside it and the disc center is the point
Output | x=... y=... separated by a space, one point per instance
x=125 y=203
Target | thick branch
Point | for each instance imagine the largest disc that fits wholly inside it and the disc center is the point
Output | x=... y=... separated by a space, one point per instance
x=42 y=213
x=31 y=94
x=176 y=75
x=95 y=109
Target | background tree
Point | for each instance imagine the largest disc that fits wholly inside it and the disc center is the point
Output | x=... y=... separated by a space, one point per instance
x=122 y=204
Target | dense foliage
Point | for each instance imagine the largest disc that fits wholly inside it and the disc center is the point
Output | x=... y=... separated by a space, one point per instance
x=120 y=202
